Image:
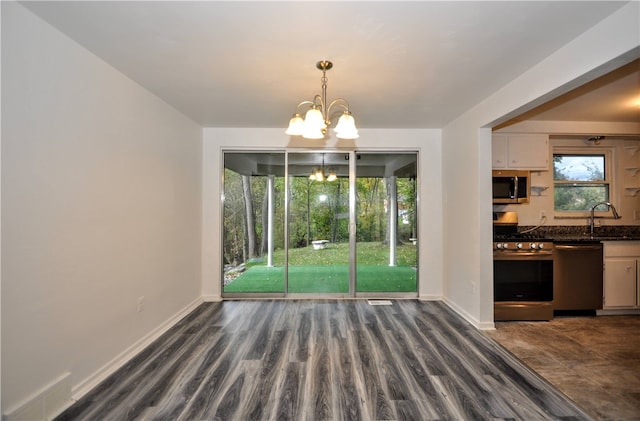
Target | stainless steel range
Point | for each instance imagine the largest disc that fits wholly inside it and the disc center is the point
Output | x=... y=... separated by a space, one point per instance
x=522 y=272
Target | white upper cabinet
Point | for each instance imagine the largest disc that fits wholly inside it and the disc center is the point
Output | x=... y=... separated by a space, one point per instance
x=499 y=151
x=520 y=151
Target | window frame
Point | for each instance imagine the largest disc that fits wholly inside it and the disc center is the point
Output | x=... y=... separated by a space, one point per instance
x=610 y=172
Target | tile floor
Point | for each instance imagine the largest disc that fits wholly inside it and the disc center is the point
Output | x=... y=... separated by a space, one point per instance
x=593 y=360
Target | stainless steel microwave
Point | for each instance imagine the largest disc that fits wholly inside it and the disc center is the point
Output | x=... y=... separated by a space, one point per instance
x=511 y=187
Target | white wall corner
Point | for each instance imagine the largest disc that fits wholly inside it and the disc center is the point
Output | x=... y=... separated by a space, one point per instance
x=112 y=366
x=46 y=404
x=467 y=316
x=486 y=326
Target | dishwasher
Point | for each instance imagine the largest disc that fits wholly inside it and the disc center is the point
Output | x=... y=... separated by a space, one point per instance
x=577 y=276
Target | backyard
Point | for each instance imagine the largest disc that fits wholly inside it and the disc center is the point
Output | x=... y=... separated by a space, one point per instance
x=273 y=204
x=327 y=270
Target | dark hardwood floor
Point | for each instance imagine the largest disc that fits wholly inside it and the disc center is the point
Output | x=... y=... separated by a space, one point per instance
x=324 y=360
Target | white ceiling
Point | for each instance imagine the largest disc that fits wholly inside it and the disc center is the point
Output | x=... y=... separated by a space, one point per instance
x=416 y=64
x=614 y=97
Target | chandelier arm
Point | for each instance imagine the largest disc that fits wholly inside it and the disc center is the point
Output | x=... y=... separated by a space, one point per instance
x=318 y=101
x=303 y=103
x=338 y=101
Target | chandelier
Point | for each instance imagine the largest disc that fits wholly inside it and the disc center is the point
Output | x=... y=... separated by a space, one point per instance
x=317 y=119
x=318 y=174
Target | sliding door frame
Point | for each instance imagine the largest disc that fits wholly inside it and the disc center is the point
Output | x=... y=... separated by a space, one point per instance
x=352 y=293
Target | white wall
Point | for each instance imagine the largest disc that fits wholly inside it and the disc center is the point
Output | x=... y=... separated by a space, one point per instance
x=466 y=153
x=427 y=142
x=101 y=205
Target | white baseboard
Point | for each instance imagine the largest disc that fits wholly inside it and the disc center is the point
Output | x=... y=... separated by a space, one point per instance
x=44 y=405
x=479 y=325
x=430 y=298
x=211 y=298
x=108 y=369
x=468 y=317
x=486 y=326
x=618 y=312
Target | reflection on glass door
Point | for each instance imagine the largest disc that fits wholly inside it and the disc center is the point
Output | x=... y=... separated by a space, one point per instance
x=386 y=223
x=318 y=227
x=253 y=223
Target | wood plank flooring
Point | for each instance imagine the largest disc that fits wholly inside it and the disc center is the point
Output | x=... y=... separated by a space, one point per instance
x=324 y=360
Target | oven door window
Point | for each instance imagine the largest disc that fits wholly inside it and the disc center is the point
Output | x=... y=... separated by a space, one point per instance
x=523 y=280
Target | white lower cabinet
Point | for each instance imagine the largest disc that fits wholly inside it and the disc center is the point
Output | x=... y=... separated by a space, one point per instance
x=621 y=274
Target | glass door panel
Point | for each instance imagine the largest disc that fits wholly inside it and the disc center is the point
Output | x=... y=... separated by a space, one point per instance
x=318 y=227
x=253 y=223
x=386 y=250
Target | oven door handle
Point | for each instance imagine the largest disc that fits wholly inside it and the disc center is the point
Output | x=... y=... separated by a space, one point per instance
x=580 y=247
x=515 y=255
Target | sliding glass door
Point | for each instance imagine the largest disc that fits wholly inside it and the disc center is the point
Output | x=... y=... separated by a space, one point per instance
x=318 y=253
x=319 y=224
x=253 y=242
x=386 y=223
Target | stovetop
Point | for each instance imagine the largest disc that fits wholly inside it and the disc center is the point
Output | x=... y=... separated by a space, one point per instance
x=505 y=230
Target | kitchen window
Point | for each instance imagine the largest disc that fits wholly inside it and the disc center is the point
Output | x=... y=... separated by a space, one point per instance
x=581 y=179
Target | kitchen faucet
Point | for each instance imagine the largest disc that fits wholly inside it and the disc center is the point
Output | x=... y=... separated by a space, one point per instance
x=613 y=211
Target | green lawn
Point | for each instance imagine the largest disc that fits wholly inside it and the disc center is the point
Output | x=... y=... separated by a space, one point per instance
x=327 y=271
x=374 y=253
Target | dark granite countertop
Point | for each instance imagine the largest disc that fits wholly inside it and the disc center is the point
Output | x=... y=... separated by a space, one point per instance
x=580 y=234
x=588 y=238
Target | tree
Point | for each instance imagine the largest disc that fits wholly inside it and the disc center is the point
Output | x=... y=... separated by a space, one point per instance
x=300 y=208
x=265 y=222
x=337 y=209
x=233 y=215
x=250 y=221
x=371 y=195
x=407 y=204
x=577 y=179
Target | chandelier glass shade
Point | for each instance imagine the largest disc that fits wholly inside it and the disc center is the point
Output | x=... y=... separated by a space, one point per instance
x=317 y=118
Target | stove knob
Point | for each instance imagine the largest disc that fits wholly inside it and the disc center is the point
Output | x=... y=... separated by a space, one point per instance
x=533 y=246
x=498 y=246
x=519 y=245
x=505 y=245
x=541 y=246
